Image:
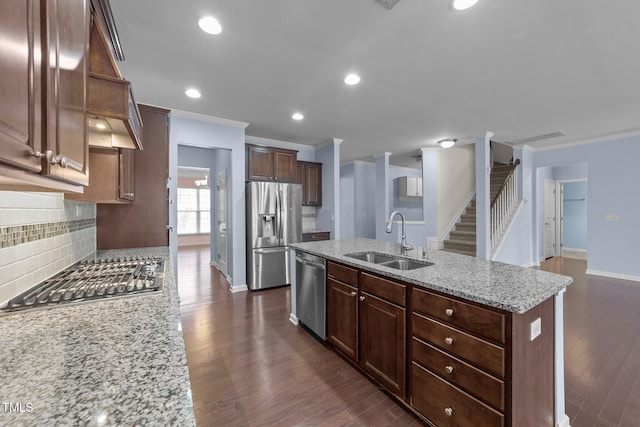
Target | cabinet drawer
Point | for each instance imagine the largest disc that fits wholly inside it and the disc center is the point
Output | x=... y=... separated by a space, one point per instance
x=343 y=273
x=312 y=237
x=486 y=323
x=447 y=405
x=385 y=289
x=474 y=381
x=481 y=353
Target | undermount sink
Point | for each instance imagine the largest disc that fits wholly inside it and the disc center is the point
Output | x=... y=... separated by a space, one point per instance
x=391 y=261
x=374 y=257
x=406 y=264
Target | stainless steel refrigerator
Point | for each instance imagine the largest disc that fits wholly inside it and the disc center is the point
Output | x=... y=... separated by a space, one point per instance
x=274 y=220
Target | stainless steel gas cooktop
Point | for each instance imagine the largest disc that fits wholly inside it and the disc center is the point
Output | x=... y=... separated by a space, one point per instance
x=92 y=281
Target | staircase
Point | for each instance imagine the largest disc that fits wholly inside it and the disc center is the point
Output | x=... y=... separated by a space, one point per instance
x=462 y=239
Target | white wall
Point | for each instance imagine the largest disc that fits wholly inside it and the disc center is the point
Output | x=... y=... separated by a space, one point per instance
x=40 y=235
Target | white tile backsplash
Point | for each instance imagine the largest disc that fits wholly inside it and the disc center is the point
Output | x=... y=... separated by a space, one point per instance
x=309 y=218
x=24 y=265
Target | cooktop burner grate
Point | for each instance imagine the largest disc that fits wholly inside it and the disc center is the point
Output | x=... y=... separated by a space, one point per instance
x=93 y=280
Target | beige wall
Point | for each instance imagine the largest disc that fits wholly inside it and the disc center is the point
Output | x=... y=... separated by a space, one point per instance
x=456 y=182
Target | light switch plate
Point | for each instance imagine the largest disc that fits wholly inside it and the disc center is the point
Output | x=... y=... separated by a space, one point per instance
x=535 y=329
x=610 y=217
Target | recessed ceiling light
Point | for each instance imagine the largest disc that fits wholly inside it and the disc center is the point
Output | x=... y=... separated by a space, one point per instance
x=352 y=79
x=101 y=126
x=192 y=93
x=463 y=4
x=447 y=143
x=297 y=116
x=210 y=25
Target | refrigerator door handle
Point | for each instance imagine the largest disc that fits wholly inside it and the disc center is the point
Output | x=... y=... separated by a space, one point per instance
x=271 y=250
x=279 y=208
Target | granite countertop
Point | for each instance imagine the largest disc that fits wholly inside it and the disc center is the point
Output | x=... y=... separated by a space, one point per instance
x=105 y=363
x=508 y=287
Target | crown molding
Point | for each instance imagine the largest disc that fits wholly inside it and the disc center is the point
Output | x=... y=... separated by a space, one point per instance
x=210 y=119
x=282 y=144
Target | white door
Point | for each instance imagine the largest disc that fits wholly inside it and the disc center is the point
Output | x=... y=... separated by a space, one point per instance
x=549 y=218
x=221 y=195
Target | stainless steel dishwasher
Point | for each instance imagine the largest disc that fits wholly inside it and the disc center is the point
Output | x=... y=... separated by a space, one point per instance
x=311 y=292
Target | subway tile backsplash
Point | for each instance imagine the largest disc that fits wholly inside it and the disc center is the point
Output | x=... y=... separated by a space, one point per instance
x=308 y=218
x=41 y=234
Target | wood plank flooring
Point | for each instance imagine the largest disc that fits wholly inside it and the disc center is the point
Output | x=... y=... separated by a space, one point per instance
x=602 y=347
x=250 y=366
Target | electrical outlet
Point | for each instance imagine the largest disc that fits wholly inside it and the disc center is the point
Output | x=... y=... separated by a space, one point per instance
x=535 y=329
x=610 y=217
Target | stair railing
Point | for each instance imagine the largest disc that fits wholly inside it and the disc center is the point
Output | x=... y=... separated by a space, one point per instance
x=503 y=204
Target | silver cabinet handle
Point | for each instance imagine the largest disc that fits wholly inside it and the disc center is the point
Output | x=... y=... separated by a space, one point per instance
x=449 y=369
x=353 y=294
x=362 y=298
x=448 y=411
x=448 y=340
x=449 y=312
x=61 y=160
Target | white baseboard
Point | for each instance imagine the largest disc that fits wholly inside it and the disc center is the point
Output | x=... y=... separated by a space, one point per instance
x=613 y=275
x=574 y=253
x=184 y=245
x=238 y=288
x=564 y=422
x=293 y=318
x=531 y=264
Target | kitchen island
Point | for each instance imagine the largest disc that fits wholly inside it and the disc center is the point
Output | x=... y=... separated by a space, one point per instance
x=109 y=362
x=463 y=341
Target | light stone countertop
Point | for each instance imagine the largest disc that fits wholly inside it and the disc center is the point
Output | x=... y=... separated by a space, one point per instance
x=505 y=286
x=106 y=363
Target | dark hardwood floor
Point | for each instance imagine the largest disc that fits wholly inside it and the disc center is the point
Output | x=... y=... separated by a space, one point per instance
x=602 y=347
x=250 y=366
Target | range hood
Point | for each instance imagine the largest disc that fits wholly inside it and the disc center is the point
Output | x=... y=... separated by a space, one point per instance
x=113 y=118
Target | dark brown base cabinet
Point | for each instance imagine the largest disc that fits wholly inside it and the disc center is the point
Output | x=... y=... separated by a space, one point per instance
x=366 y=323
x=451 y=361
x=314 y=237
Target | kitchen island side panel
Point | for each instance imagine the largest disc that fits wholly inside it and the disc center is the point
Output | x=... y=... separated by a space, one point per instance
x=142 y=223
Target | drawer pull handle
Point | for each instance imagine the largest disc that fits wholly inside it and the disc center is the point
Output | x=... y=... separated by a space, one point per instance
x=449 y=312
x=448 y=340
x=353 y=294
x=362 y=298
x=448 y=412
x=449 y=369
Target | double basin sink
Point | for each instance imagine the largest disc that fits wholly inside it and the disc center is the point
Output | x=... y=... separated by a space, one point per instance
x=388 y=260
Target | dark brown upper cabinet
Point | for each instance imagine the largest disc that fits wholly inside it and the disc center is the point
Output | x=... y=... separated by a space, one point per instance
x=309 y=174
x=270 y=164
x=43 y=133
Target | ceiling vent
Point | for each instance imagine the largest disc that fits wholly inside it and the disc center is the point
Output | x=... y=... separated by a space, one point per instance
x=535 y=138
x=388 y=3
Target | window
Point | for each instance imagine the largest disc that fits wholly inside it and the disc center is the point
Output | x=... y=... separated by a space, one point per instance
x=193 y=211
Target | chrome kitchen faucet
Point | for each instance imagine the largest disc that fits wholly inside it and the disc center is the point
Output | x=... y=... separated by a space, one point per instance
x=404 y=246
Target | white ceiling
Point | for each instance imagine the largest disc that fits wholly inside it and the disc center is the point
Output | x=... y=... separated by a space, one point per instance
x=517 y=68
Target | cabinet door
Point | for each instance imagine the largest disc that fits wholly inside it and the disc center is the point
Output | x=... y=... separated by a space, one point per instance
x=259 y=163
x=383 y=342
x=300 y=177
x=342 y=317
x=126 y=175
x=65 y=53
x=20 y=120
x=313 y=184
x=284 y=165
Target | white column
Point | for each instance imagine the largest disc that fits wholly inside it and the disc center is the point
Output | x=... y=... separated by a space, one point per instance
x=382 y=194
